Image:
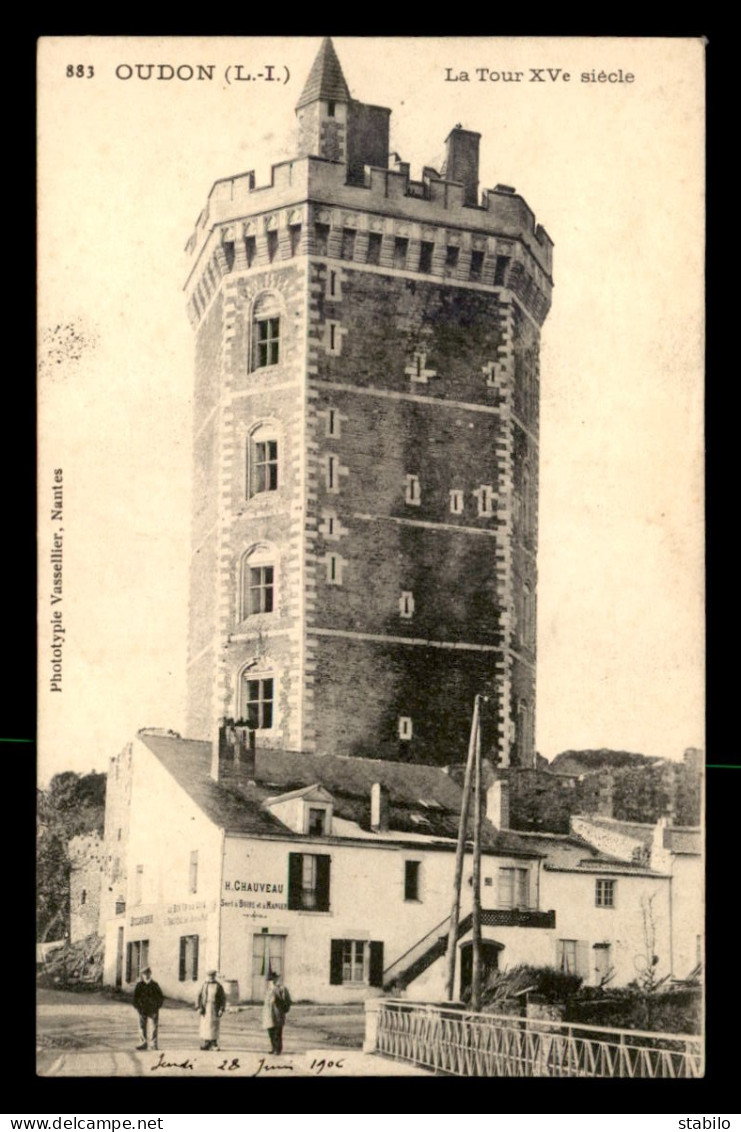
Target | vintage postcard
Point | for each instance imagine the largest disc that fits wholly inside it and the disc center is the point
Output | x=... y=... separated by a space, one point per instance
x=371 y=593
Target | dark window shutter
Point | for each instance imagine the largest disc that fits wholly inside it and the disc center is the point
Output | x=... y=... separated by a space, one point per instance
x=195 y=958
x=335 y=962
x=294 y=879
x=322 y=883
x=181 y=974
x=128 y=962
x=376 y=963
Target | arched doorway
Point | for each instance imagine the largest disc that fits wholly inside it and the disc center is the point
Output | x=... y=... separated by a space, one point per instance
x=490 y=951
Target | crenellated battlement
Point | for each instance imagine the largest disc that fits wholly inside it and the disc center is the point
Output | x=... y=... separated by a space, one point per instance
x=433 y=199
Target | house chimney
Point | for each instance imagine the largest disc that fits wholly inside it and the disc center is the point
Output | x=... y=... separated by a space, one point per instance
x=605 y=790
x=379 y=821
x=497 y=803
x=234 y=748
x=462 y=162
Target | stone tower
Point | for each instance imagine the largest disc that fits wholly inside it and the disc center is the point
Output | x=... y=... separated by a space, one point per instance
x=366 y=446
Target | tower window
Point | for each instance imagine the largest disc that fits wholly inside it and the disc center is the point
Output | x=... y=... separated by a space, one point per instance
x=335 y=566
x=425 y=257
x=258 y=703
x=413 y=491
x=406 y=603
x=251 y=249
x=405 y=727
x=83 y=896
x=332 y=286
x=272 y=250
x=294 y=233
x=348 y=243
x=401 y=245
x=193 y=872
x=411 y=880
x=456 y=502
x=330 y=109
x=266 y=329
x=333 y=422
x=452 y=253
x=374 y=248
x=500 y=270
x=260 y=593
x=485 y=496
x=263 y=464
x=477 y=264
x=321 y=238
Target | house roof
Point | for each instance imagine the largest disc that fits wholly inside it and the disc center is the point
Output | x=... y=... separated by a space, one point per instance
x=564 y=851
x=679 y=839
x=326 y=80
x=423 y=800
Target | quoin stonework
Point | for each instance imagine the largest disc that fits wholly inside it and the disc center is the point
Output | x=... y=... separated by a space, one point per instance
x=366 y=446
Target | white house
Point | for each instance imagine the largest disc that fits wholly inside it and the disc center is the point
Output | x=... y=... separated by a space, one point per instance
x=335 y=871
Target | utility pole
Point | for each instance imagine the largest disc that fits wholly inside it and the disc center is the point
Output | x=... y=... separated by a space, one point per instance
x=460 y=853
x=476 y=878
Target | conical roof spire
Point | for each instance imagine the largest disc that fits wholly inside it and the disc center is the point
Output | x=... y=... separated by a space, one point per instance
x=326 y=80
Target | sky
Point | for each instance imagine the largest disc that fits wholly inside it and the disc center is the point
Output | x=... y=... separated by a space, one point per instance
x=612 y=170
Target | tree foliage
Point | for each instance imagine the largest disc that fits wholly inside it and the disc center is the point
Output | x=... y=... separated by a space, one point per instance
x=73 y=804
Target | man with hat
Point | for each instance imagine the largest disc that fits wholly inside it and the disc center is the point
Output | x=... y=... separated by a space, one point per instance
x=148 y=999
x=211 y=1005
x=274 y=1009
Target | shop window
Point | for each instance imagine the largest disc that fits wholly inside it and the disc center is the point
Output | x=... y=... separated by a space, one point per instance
x=357 y=962
x=258 y=702
x=262 y=461
x=193 y=872
x=188 y=969
x=604 y=893
x=411 y=880
x=137 y=958
x=308 y=882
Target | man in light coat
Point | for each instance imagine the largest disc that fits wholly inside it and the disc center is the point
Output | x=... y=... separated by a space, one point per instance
x=211 y=1005
x=275 y=1007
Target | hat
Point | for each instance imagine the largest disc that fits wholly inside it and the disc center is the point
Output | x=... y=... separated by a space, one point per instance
x=211 y=974
x=146 y=970
x=272 y=976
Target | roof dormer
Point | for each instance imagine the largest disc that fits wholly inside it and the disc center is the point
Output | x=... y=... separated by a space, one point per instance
x=307 y=811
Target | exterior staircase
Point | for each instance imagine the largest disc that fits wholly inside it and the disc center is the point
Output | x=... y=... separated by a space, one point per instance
x=421 y=955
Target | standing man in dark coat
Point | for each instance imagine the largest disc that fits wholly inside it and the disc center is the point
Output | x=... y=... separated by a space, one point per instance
x=274 y=1009
x=148 y=999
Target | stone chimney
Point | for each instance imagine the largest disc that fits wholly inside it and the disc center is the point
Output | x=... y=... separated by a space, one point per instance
x=233 y=749
x=605 y=793
x=497 y=803
x=379 y=821
x=462 y=162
